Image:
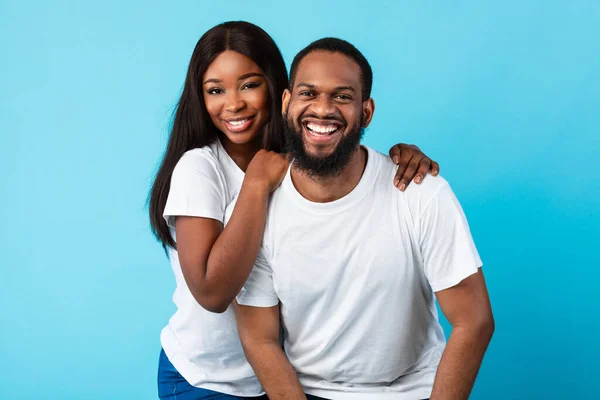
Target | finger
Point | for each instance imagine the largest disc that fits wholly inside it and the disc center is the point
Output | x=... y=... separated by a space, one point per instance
x=395 y=153
x=423 y=170
x=408 y=174
x=435 y=168
x=402 y=165
x=414 y=147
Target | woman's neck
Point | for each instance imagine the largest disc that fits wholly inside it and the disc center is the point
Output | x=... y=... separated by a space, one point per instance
x=241 y=154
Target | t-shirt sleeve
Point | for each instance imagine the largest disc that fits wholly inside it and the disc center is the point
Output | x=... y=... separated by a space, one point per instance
x=449 y=253
x=197 y=189
x=259 y=291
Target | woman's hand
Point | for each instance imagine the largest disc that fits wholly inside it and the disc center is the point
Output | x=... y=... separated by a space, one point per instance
x=412 y=163
x=267 y=169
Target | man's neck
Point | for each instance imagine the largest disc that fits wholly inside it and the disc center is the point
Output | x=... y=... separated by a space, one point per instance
x=326 y=189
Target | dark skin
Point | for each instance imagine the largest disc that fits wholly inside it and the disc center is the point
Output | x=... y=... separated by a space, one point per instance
x=327 y=84
x=217 y=260
x=406 y=156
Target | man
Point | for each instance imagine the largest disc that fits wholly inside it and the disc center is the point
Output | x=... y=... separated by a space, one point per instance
x=351 y=264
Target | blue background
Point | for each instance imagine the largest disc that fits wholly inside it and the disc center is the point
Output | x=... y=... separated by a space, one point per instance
x=505 y=95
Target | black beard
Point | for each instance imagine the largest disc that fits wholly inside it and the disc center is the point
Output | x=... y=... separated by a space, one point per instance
x=321 y=167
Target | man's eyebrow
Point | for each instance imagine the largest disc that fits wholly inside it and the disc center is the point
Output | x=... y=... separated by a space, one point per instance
x=336 y=89
x=340 y=88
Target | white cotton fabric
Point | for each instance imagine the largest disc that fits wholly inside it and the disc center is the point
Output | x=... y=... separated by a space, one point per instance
x=205 y=347
x=355 y=279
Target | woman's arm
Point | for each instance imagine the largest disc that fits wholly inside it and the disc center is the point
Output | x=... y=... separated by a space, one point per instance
x=216 y=261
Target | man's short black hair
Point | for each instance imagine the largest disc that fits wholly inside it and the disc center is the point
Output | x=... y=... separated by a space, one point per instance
x=334 y=45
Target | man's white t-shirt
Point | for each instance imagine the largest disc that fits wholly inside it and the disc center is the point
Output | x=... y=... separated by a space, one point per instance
x=205 y=347
x=355 y=279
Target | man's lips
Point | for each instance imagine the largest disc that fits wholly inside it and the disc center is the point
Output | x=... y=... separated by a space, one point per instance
x=322 y=126
x=321 y=131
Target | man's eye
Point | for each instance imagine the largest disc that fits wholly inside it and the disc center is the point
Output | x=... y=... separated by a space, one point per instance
x=343 y=97
x=214 y=91
x=305 y=93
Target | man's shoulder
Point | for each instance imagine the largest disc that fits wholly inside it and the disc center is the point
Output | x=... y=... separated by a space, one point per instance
x=416 y=196
x=429 y=188
x=386 y=171
x=378 y=157
x=280 y=200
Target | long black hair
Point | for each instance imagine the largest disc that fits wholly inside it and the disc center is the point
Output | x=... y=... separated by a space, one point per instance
x=192 y=126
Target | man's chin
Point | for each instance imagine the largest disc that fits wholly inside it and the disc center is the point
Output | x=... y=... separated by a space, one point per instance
x=323 y=160
x=317 y=152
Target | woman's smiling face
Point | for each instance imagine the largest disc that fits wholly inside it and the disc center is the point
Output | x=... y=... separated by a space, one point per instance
x=236 y=94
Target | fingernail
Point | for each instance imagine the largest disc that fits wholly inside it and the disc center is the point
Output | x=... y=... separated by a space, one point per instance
x=418 y=179
x=396 y=159
x=402 y=187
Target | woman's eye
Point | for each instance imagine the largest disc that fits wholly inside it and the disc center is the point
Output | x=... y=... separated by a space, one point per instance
x=214 y=91
x=251 y=85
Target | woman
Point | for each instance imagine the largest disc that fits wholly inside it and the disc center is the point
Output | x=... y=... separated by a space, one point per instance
x=226 y=143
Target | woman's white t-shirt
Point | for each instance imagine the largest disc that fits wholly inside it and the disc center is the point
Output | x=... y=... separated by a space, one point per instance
x=203 y=346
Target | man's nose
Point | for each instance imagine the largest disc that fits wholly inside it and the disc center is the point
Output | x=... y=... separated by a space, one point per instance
x=323 y=107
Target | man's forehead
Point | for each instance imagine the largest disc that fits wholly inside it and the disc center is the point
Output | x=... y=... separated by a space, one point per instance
x=324 y=68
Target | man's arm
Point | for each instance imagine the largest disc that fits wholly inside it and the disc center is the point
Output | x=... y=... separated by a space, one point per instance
x=258 y=328
x=467 y=308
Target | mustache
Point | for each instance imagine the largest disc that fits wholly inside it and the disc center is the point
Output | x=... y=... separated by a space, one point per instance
x=327 y=118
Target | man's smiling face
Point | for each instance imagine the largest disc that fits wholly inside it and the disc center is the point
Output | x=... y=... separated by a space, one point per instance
x=324 y=112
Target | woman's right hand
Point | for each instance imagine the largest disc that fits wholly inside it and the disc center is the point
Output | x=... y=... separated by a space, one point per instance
x=267 y=169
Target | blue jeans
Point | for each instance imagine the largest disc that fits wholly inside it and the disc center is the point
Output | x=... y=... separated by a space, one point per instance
x=311 y=397
x=173 y=386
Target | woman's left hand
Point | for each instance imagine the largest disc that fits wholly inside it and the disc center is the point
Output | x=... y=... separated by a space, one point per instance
x=412 y=164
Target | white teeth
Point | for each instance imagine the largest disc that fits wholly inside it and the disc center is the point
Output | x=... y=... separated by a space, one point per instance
x=238 y=123
x=322 y=128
